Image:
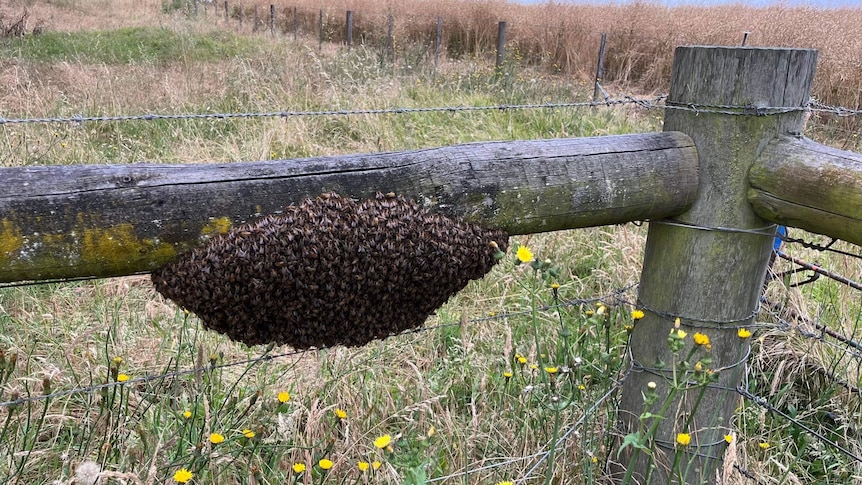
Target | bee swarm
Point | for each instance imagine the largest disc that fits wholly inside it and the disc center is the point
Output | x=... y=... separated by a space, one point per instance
x=330 y=271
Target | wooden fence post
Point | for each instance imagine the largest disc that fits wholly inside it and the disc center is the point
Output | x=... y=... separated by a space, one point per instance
x=256 y=19
x=295 y=24
x=389 y=50
x=272 y=20
x=225 y=11
x=438 y=42
x=349 y=34
x=320 y=31
x=501 y=45
x=600 y=67
x=701 y=267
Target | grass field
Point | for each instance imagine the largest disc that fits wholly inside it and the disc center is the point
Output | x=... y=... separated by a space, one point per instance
x=473 y=398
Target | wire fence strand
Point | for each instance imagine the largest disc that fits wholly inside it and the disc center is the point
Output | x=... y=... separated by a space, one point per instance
x=654 y=102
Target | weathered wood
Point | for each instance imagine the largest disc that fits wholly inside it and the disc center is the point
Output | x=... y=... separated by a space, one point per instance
x=800 y=183
x=710 y=279
x=110 y=220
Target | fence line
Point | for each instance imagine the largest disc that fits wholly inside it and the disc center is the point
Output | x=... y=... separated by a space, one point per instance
x=655 y=102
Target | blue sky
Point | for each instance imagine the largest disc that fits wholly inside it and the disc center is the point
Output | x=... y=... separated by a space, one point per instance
x=758 y=3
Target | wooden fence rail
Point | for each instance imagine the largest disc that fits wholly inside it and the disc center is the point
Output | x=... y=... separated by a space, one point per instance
x=723 y=175
x=112 y=220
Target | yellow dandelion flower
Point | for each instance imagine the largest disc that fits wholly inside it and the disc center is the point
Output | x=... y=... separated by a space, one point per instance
x=764 y=445
x=505 y=483
x=676 y=323
x=701 y=339
x=524 y=254
x=582 y=387
x=683 y=439
x=551 y=370
x=183 y=476
x=216 y=438
x=555 y=286
x=522 y=360
x=118 y=360
x=698 y=367
x=363 y=466
x=743 y=333
x=534 y=366
x=679 y=334
x=637 y=314
x=325 y=464
x=728 y=438
x=248 y=433
x=595 y=459
x=298 y=467
x=601 y=310
x=507 y=374
x=187 y=414
x=375 y=464
x=432 y=431
x=283 y=397
x=122 y=377
x=341 y=414
x=383 y=441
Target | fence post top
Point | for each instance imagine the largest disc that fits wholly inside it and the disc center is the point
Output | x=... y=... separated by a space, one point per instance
x=743 y=48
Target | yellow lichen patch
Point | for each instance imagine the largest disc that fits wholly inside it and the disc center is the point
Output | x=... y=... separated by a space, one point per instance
x=11 y=239
x=216 y=225
x=119 y=247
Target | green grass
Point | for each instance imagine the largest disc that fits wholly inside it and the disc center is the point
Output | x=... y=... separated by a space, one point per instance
x=137 y=45
x=443 y=394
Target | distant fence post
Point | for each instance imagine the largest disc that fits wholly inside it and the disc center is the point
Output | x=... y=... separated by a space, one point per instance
x=225 y=11
x=295 y=23
x=600 y=68
x=320 y=31
x=195 y=7
x=706 y=268
x=349 y=27
x=438 y=41
x=501 y=45
x=272 y=20
x=256 y=19
x=240 y=15
x=389 y=51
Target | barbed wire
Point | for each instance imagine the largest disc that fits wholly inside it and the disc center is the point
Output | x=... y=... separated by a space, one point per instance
x=747 y=474
x=654 y=102
x=80 y=119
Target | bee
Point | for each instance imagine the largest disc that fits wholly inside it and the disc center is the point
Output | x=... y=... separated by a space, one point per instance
x=329 y=271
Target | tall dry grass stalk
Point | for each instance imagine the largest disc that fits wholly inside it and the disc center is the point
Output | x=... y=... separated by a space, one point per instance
x=561 y=37
x=565 y=37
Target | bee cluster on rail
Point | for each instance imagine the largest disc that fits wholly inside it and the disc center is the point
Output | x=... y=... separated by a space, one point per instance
x=330 y=271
